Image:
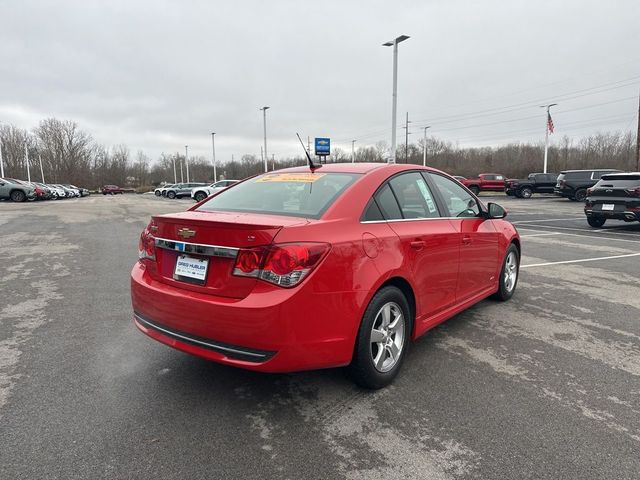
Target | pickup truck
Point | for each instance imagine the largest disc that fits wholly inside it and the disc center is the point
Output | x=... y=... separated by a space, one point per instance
x=112 y=190
x=485 y=182
x=534 y=183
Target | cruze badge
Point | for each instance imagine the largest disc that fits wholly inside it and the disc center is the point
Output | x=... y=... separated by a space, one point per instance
x=186 y=233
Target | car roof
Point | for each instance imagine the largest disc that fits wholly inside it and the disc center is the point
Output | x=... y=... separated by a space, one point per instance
x=356 y=168
x=591 y=170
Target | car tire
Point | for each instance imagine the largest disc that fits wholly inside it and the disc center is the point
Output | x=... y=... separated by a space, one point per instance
x=171 y=195
x=17 y=196
x=199 y=196
x=376 y=364
x=596 y=222
x=580 y=195
x=475 y=189
x=509 y=274
x=525 y=192
x=157 y=193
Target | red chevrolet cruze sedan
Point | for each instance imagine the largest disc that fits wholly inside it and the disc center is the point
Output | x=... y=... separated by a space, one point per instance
x=303 y=269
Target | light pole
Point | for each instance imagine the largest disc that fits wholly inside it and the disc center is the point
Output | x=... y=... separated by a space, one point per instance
x=26 y=156
x=394 y=103
x=181 y=169
x=41 y=171
x=264 y=124
x=1 y=161
x=213 y=146
x=546 y=134
x=186 y=160
x=424 y=148
x=175 y=177
x=353 y=152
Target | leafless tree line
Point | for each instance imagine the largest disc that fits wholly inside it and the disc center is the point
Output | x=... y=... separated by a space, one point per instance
x=70 y=155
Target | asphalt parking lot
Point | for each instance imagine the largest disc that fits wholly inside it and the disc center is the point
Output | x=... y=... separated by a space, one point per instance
x=544 y=386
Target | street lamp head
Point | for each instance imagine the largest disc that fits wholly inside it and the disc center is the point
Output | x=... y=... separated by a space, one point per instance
x=399 y=39
x=264 y=108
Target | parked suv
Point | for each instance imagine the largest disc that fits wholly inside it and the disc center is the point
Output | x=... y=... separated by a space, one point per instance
x=615 y=196
x=15 y=190
x=182 y=189
x=534 y=183
x=485 y=182
x=200 y=193
x=573 y=184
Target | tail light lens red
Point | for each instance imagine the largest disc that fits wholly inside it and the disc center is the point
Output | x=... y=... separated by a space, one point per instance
x=589 y=191
x=634 y=192
x=284 y=265
x=147 y=245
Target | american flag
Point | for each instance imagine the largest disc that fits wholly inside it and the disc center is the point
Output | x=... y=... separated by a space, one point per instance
x=549 y=123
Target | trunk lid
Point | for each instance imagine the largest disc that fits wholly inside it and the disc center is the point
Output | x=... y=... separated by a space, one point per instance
x=213 y=240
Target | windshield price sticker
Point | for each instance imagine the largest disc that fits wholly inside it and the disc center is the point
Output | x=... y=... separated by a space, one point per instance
x=291 y=177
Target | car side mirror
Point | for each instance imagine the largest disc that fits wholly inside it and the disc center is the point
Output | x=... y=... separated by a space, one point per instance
x=496 y=211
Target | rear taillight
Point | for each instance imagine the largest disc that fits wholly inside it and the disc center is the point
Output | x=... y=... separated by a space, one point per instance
x=589 y=191
x=285 y=265
x=634 y=192
x=562 y=183
x=147 y=245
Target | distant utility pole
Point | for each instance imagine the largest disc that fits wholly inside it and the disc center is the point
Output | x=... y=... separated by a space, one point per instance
x=41 y=171
x=213 y=146
x=353 y=152
x=262 y=157
x=308 y=144
x=1 y=162
x=186 y=160
x=273 y=161
x=424 y=148
x=638 y=139
x=549 y=125
x=264 y=124
x=26 y=156
x=406 y=140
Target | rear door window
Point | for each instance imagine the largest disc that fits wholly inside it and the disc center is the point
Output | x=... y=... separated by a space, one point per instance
x=414 y=196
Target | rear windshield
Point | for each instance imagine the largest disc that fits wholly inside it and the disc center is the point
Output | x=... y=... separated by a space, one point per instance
x=306 y=195
x=622 y=181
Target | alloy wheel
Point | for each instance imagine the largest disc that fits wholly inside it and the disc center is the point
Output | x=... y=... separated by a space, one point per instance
x=510 y=271
x=387 y=337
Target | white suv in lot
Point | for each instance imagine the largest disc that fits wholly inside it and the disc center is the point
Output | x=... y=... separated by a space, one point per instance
x=200 y=193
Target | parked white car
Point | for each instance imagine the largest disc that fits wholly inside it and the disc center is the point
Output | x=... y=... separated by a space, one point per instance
x=200 y=193
x=162 y=191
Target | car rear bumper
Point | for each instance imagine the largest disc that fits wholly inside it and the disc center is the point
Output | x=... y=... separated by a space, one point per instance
x=628 y=215
x=271 y=330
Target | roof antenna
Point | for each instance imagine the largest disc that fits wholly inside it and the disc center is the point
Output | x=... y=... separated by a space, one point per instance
x=312 y=165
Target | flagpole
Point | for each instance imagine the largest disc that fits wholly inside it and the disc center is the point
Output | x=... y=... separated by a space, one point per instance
x=546 y=136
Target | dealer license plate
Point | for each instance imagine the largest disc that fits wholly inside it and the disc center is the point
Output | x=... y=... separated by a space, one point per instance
x=191 y=269
x=608 y=206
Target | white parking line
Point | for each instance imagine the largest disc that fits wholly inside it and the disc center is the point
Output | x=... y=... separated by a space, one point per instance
x=580 y=260
x=540 y=234
x=578 y=235
x=548 y=220
x=582 y=230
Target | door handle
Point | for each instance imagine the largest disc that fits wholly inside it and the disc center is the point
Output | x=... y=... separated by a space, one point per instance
x=466 y=239
x=417 y=244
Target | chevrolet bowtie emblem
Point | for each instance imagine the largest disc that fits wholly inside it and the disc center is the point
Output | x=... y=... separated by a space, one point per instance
x=186 y=233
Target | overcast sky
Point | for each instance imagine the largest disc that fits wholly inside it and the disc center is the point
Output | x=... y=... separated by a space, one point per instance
x=157 y=75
